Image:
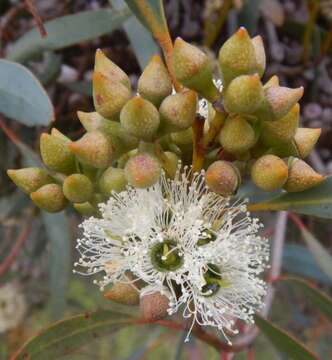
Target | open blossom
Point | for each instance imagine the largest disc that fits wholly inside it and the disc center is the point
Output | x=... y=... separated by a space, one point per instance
x=179 y=236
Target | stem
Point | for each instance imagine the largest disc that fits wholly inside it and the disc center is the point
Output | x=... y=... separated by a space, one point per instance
x=31 y=7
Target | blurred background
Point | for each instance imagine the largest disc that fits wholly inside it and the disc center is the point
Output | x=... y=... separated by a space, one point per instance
x=37 y=250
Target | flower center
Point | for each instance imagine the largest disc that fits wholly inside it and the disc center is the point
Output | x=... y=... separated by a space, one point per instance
x=207 y=237
x=214 y=281
x=165 y=256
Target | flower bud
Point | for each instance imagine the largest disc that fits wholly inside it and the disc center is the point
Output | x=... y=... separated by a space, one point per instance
x=109 y=96
x=107 y=67
x=140 y=118
x=85 y=209
x=122 y=293
x=142 y=170
x=244 y=94
x=237 y=135
x=155 y=84
x=273 y=81
x=257 y=42
x=55 y=132
x=269 y=172
x=49 y=198
x=278 y=102
x=184 y=137
x=305 y=140
x=77 y=188
x=301 y=176
x=112 y=179
x=94 y=149
x=55 y=153
x=178 y=111
x=193 y=69
x=223 y=178
x=283 y=130
x=29 y=179
x=237 y=56
x=154 y=306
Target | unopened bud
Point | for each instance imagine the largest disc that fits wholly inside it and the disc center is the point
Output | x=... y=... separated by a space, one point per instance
x=237 y=56
x=257 y=42
x=55 y=153
x=184 y=137
x=29 y=179
x=49 y=198
x=273 y=81
x=107 y=67
x=301 y=176
x=193 y=69
x=283 y=130
x=154 y=306
x=86 y=209
x=140 y=118
x=94 y=149
x=305 y=140
x=122 y=293
x=223 y=178
x=244 y=95
x=109 y=96
x=55 y=132
x=178 y=111
x=269 y=172
x=142 y=170
x=112 y=179
x=155 y=84
x=237 y=135
x=77 y=188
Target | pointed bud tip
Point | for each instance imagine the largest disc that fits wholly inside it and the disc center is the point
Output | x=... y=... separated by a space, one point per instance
x=242 y=32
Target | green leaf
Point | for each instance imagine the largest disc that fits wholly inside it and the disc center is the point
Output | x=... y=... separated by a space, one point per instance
x=66 y=336
x=316 y=201
x=318 y=298
x=22 y=97
x=322 y=257
x=66 y=31
x=58 y=233
x=283 y=341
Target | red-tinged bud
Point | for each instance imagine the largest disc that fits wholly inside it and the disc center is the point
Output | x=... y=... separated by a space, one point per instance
x=122 y=293
x=154 y=306
x=305 y=140
x=49 y=198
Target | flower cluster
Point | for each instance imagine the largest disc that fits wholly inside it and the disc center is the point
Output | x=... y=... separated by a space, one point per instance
x=183 y=241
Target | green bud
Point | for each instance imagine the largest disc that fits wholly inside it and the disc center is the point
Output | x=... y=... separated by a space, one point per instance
x=171 y=163
x=223 y=178
x=237 y=135
x=275 y=133
x=55 y=153
x=155 y=84
x=269 y=172
x=305 y=140
x=49 y=198
x=178 y=111
x=107 y=67
x=278 y=101
x=142 y=170
x=94 y=149
x=29 y=179
x=244 y=95
x=301 y=176
x=140 y=118
x=273 y=81
x=237 y=56
x=122 y=293
x=257 y=42
x=184 y=137
x=77 y=188
x=193 y=69
x=154 y=306
x=113 y=179
x=85 y=209
x=109 y=96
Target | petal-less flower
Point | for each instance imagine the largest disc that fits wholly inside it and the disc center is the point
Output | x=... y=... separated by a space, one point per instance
x=180 y=236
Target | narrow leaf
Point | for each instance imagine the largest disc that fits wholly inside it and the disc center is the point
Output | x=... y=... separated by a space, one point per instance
x=283 y=341
x=66 y=31
x=316 y=201
x=22 y=97
x=318 y=298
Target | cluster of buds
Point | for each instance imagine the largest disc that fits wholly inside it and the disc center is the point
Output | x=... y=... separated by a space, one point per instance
x=131 y=138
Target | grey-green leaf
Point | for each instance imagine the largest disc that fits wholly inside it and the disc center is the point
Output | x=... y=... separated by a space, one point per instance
x=22 y=97
x=66 y=31
x=283 y=341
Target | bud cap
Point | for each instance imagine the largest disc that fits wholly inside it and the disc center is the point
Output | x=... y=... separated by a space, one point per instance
x=112 y=179
x=123 y=293
x=49 y=198
x=306 y=139
x=77 y=188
